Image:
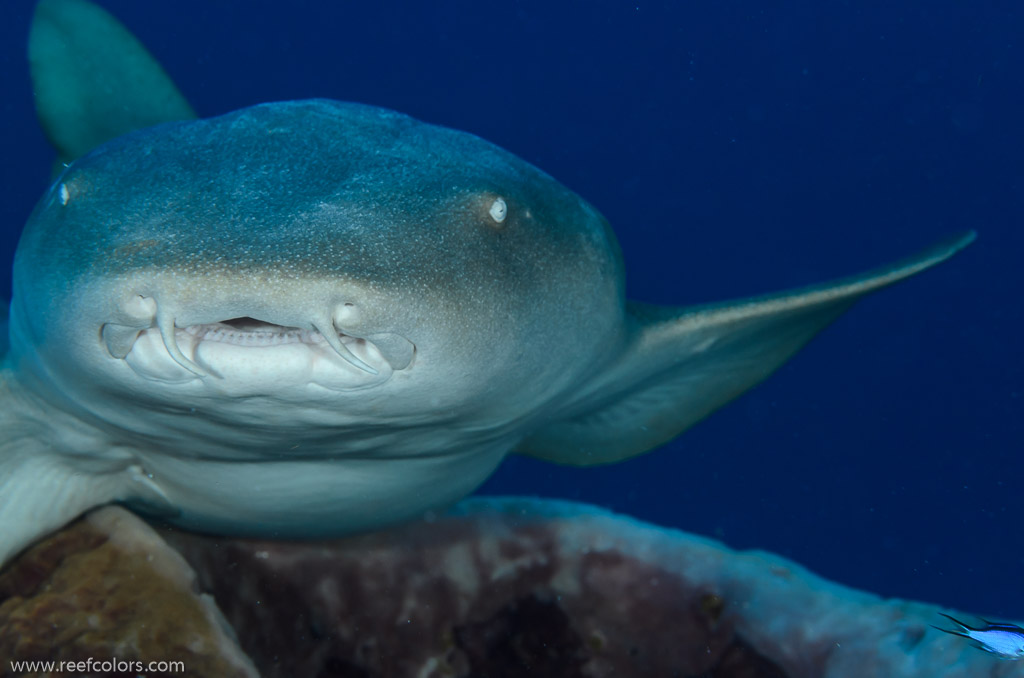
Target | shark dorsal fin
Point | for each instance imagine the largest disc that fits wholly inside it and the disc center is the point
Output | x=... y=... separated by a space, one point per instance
x=93 y=80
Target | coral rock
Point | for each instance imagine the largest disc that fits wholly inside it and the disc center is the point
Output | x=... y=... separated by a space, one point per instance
x=495 y=588
x=108 y=589
x=539 y=588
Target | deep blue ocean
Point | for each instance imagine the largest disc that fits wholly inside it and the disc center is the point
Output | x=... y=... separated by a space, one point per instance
x=737 y=148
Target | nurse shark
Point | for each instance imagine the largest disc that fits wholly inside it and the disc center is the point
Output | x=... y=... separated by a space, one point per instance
x=311 y=318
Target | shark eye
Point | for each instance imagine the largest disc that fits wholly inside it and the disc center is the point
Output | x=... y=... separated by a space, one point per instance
x=498 y=210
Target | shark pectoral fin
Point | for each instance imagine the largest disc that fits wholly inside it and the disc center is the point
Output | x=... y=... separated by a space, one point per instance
x=41 y=492
x=682 y=364
x=93 y=80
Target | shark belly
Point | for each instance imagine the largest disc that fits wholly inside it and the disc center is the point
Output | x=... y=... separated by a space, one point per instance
x=310 y=498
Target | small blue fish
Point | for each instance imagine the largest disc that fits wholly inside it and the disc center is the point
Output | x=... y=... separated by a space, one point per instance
x=1003 y=640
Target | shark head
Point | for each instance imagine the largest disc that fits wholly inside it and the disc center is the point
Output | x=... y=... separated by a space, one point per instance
x=310 y=264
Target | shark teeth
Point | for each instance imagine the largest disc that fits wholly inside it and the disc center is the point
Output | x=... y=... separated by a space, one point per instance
x=248 y=332
x=243 y=337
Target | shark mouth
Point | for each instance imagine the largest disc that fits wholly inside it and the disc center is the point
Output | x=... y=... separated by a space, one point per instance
x=248 y=331
x=363 y=353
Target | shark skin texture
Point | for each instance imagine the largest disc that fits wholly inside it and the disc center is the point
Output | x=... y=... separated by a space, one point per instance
x=312 y=318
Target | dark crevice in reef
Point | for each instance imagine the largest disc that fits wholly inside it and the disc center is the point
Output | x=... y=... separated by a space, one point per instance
x=535 y=638
x=741 y=660
x=528 y=637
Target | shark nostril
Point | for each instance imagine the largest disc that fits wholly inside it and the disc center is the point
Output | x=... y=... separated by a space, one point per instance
x=140 y=310
x=119 y=339
x=346 y=316
x=138 y=313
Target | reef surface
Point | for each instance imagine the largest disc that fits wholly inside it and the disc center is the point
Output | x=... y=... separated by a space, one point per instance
x=495 y=587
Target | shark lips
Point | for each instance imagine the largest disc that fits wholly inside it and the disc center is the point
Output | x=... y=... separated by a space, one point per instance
x=198 y=348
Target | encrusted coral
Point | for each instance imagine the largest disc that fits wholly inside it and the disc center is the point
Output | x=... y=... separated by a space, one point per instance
x=108 y=589
x=495 y=588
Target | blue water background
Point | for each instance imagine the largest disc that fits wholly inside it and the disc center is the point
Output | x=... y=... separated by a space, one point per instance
x=737 y=148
